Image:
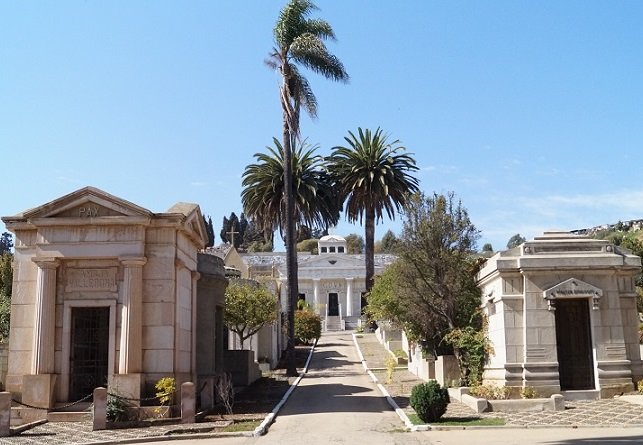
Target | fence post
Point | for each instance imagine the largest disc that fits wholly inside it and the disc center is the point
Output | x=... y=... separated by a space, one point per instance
x=188 y=403
x=100 y=409
x=5 y=414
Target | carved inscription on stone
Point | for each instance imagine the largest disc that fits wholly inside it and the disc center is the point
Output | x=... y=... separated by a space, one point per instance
x=88 y=212
x=330 y=285
x=91 y=280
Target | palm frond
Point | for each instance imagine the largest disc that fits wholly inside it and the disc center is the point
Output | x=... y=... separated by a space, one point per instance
x=310 y=51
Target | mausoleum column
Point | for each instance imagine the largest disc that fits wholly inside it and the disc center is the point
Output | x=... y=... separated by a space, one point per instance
x=130 y=358
x=316 y=295
x=349 y=297
x=45 y=314
x=195 y=278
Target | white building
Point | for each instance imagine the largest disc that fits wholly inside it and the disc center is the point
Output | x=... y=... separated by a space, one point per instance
x=331 y=282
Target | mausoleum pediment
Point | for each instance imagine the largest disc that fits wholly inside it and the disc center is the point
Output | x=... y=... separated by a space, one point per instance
x=572 y=288
x=88 y=202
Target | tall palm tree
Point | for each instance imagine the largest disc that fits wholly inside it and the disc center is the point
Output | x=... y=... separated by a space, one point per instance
x=299 y=41
x=316 y=205
x=373 y=177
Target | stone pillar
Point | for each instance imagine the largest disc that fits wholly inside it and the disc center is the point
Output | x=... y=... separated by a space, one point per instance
x=188 y=403
x=130 y=358
x=349 y=297
x=193 y=350
x=316 y=294
x=45 y=323
x=38 y=388
x=5 y=414
x=100 y=409
x=128 y=381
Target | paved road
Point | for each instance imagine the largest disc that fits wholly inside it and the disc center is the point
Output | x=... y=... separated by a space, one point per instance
x=337 y=403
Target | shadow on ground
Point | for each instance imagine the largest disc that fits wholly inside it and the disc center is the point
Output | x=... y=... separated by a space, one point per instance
x=331 y=398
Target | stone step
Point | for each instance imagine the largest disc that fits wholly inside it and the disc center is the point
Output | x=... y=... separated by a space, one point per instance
x=22 y=415
x=69 y=416
x=590 y=394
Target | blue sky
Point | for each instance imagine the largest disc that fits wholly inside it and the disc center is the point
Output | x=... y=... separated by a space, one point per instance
x=531 y=112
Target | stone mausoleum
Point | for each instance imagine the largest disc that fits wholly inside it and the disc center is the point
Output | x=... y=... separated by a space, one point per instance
x=332 y=282
x=107 y=291
x=562 y=317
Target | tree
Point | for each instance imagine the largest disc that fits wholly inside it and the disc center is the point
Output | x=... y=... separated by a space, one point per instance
x=308 y=245
x=263 y=194
x=255 y=239
x=230 y=230
x=299 y=41
x=6 y=279
x=389 y=241
x=6 y=274
x=372 y=175
x=210 y=230
x=354 y=244
x=515 y=241
x=434 y=277
x=248 y=307
x=487 y=247
x=6 y=243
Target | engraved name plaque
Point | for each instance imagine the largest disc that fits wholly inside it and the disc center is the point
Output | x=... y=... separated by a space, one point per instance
x=91 y=280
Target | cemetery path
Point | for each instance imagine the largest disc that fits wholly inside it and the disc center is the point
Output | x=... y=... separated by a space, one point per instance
x=336 y=402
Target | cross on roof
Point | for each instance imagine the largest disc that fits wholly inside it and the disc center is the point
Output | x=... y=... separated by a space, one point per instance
x=231 y=233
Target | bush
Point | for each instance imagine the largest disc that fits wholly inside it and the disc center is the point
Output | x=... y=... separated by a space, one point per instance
x=429 y=401
x=307 y=326
x=116 y=410
x=165 y=389
x=490 y=392
x=528 y=392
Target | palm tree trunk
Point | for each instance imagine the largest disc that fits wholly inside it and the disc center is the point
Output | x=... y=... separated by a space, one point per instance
x=292 y=289
x=369 y=248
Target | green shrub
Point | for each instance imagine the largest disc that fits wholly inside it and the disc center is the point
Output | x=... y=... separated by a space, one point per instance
x=116 y=410
x=307 y=326
x=429 y=401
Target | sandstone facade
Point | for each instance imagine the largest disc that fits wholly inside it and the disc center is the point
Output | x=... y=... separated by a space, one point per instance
x=106 y=291
x=562 y=316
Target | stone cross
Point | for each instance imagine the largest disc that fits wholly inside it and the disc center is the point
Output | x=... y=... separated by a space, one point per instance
x=232 y=233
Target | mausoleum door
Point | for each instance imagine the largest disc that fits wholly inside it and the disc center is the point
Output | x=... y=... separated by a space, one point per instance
x=333 y=305
x=89 y=350
x=574 y=344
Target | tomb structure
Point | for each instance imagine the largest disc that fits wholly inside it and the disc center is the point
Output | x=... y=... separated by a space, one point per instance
x=562 y=317
x=105 y=292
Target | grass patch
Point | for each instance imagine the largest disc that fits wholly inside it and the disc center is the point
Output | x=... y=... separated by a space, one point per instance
x=242 y=425
x=461 y=421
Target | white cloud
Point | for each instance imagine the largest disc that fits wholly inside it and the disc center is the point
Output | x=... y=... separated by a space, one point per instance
x=531 y=216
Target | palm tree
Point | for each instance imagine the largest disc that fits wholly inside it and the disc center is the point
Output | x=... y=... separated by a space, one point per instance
x=315 y=203
x=299 y=40
x=372 y=176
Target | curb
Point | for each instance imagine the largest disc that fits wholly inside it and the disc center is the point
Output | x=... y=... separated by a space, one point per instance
x=265 y=425
x=401 y=414
x=259 y=431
